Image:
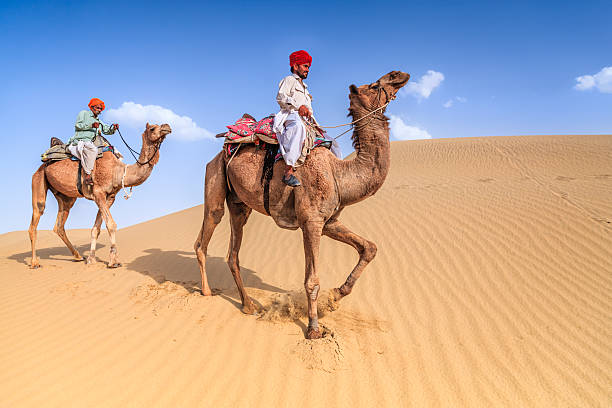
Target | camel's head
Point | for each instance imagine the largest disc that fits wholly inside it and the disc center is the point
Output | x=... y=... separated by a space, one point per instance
x=379 y=93
x=156 y=133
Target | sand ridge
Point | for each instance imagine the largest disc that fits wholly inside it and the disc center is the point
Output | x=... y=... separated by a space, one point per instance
x=491 y=287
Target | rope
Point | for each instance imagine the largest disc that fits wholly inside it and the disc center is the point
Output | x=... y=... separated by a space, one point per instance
x=227 y=166
x=355 y=121
x=352 y=124
x=126 y=195
x=132 y=151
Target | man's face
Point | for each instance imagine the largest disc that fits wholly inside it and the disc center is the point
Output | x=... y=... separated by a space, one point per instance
x=302 y=70
x=96 y=109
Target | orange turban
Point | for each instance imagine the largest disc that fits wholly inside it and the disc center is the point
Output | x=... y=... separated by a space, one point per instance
x=95 y=102
x=299 y=57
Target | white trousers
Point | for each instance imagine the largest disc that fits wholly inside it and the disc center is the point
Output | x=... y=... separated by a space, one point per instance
x=86 y=152
x=292 y=138
x=291 y=134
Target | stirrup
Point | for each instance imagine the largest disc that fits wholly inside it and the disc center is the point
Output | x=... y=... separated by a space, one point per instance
x=292 y=181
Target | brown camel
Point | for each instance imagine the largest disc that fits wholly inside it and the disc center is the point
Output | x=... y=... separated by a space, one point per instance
x=109 y=175
x=328 y=185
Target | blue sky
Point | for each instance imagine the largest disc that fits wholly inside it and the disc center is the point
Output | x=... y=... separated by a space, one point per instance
x=478 y=69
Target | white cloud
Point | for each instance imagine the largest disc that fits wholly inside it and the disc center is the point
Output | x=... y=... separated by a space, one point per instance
x=424 y=86
x=451 y=102
x=402 y=131
x=134 y=115
x=601 y=80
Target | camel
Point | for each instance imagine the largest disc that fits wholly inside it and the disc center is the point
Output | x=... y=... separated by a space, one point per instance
x=109 y=176
x=328 y=185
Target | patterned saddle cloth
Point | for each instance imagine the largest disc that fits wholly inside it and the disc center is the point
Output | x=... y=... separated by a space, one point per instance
x=248 y=130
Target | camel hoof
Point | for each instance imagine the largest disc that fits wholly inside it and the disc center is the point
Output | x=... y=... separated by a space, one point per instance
x=114 y=265
x=249 y=309
x=206 y=292
x=313 y=334
x=336 y=294
x=35 y=266
x=79 y=259
x=90 y=260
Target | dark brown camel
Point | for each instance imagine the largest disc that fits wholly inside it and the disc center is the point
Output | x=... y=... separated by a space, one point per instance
x=109 y=175
x=328 y=185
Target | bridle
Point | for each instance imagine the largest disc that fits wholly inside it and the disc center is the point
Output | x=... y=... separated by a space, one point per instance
x=132 y=151
x=379 y=108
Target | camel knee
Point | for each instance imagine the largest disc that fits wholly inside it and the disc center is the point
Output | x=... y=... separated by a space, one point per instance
x=198 y=244
x=216 y=215
x=369 y=251
x=312 y=286
x=111 y=226
x=95 y=232
x=232 y=262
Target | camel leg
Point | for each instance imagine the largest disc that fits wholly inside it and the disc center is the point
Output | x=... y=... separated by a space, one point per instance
x=239 y=214
x=39 y=199
x=366 y=249
x=215 y=190
x=102 y=202
x=312 y=238
x=64 y=205
x=95 y=233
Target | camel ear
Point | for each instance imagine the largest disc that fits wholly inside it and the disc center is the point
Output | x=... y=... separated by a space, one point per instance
x=148 y=126
x=353 y=89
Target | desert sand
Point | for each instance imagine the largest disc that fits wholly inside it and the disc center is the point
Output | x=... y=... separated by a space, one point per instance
x=491 y=288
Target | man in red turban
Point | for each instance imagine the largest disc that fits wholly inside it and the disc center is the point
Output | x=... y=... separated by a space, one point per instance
x=296 y=106
x=96 y=102
x=87 y=126
x=299 y=58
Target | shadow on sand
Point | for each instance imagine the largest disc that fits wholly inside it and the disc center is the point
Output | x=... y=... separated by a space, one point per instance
x=59 y=253
x=181 y=268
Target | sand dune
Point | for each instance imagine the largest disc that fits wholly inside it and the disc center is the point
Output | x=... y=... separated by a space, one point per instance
x=491 y=288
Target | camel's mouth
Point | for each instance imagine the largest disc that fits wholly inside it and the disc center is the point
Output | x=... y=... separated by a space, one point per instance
x=165 y=129
x=394 y=81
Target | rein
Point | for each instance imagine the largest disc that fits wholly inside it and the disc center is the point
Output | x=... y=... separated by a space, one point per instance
x=363 y=117
x=127 y=194
x=132 y=151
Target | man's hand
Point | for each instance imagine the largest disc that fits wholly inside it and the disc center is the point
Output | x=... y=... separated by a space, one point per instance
x=95 y=125
x=304 y=111
x=115 y=126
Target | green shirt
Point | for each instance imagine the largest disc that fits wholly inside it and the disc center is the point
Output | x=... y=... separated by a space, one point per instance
x=83 y=129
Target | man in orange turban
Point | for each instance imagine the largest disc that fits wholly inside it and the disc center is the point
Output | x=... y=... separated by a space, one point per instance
x=87 y=126
x=296 y=107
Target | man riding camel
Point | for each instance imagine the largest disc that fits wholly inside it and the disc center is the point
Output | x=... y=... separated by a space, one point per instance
x=296 y=109
x=87 y=126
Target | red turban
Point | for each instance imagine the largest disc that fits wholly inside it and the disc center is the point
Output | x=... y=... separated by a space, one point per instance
x=299 y=57
x=95 y=102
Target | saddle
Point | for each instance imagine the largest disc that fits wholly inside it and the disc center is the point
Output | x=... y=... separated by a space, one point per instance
x=248 y=130
x=59 y=150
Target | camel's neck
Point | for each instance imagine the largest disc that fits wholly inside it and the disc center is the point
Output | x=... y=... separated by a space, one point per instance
x=362 y=176
x=137 y=174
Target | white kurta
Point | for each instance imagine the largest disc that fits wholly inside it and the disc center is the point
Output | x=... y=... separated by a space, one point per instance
x=288 y=125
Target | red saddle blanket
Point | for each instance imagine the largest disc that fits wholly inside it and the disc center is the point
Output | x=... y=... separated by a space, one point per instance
x=247 y=126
